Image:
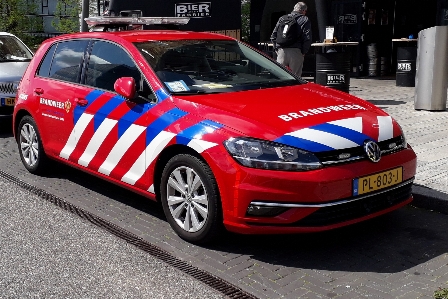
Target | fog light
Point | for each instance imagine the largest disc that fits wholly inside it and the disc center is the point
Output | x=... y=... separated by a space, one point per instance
x=265 y=211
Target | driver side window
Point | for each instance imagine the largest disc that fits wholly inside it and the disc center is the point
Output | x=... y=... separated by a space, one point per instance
x=107 y=63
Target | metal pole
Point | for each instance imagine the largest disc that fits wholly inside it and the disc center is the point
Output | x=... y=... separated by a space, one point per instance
x=322 y=19
x=84 y=14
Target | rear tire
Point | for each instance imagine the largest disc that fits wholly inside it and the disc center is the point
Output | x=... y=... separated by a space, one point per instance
x=30 y=146
x=190 y=199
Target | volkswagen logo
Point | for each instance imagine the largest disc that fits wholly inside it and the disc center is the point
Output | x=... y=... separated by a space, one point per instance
x=373 y=151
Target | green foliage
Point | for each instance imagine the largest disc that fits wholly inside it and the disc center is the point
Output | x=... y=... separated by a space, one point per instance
x=245 y=20
x=32 y=41
x=19 y=17
x=441 y=294
x=66 y=18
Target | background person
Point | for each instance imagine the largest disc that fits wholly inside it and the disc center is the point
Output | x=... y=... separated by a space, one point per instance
x=293 y=55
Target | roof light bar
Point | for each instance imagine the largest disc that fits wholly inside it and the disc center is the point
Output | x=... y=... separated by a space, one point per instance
x=96 y=21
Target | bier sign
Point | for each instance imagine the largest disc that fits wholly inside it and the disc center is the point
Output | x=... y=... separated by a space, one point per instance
x=335 y=79
x=194 y=10
x=347 y=19
x=404 y=66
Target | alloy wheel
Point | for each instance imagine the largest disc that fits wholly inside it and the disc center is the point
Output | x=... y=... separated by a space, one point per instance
x=187 y=199
x=29 y=144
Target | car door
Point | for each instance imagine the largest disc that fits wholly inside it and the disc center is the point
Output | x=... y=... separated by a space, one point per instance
x=109 y=130
x=55 y=89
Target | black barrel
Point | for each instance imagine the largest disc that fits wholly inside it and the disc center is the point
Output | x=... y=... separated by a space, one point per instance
x=406 y=66
x=333 y=70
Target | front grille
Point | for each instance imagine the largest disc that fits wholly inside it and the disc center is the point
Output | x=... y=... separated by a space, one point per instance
x=356 y=209
x=357 y=153
x=8 y=88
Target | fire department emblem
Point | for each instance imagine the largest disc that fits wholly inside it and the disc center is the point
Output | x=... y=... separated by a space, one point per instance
x=67 y=106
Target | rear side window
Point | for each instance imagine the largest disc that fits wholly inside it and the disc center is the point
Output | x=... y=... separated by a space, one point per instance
x=44 y=69
x=67 y=60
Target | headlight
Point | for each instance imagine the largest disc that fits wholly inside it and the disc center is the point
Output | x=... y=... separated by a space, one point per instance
x=268 y=155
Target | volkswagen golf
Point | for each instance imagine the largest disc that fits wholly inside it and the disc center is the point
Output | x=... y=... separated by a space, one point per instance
x=217 y=132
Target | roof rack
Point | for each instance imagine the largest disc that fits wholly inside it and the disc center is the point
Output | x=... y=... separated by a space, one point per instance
x=105 y=23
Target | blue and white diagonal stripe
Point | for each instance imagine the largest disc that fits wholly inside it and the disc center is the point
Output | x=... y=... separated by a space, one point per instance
x=341 y=134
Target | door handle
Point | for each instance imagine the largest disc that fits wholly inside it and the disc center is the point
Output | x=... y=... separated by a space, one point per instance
x=81 y=102
x=38 y=90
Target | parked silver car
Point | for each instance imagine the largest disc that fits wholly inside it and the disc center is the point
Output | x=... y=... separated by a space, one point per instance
x=14 y=59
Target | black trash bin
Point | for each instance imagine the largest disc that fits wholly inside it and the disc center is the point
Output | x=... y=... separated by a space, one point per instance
x=406 y=66
x=333 y=70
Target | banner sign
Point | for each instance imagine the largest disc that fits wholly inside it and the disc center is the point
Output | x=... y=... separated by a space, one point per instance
x=205 y=15
x=194 y=10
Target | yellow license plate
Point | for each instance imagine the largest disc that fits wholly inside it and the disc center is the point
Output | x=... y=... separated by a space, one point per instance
x=377 y=181
x=10 y=101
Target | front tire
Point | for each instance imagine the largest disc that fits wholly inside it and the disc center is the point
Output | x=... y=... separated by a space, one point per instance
x=30 y=146
x=190 y=199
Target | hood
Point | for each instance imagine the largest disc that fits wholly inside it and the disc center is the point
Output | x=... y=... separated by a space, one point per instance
x=12 y=71
x=308 y=116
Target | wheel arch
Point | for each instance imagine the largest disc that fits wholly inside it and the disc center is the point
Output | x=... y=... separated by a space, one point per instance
x=163 y=159
x=18 y=116
x=212 y=225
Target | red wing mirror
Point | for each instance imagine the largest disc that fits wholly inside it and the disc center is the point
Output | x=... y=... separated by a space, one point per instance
x=125 y=86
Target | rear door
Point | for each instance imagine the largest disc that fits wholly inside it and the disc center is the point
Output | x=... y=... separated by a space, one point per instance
x=56 y=88
x=109 y=132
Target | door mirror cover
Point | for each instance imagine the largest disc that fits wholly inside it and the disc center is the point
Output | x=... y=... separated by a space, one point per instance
x=125 y=86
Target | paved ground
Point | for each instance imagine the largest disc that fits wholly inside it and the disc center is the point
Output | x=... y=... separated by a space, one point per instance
x=400 y=255
x=46 y=252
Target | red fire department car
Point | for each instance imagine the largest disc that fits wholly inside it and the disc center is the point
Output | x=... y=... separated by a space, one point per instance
x=217 y=132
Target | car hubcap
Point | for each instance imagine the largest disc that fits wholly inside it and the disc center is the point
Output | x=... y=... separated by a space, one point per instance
x=187 y=199
x=29 y=144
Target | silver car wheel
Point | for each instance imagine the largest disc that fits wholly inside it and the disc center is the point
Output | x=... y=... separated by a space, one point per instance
x=187 y=199
x=29 y=144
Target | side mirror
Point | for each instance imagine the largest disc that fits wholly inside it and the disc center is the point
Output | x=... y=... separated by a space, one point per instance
x=125 y=86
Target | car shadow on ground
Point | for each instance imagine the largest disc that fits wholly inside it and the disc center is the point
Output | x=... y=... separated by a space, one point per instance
x=6 y=126
x=107 y=189
x=391 y=243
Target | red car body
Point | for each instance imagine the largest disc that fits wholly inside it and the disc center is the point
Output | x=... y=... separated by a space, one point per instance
x=128 y=143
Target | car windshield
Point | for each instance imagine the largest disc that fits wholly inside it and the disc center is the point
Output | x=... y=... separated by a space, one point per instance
x=12 y=49
x=212 y=66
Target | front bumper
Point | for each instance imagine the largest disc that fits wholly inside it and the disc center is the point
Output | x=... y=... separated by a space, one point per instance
x=311 y=201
